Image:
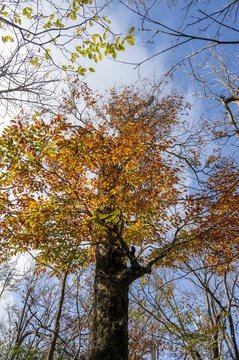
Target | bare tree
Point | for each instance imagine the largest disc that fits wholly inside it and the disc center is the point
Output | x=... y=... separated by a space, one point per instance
x=217 y=82
x=47 y=319
x=197 y=42
x=204 y=25
x=195 y=312
x=44 y=42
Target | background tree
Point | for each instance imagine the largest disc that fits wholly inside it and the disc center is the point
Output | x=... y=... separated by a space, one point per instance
x=202 y=40
x=217 y=82
x=200 y=27
x=194 y=310
x=44 y=42
x=28 y=329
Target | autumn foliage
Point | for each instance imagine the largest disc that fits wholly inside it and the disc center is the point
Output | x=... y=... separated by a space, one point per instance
x=216 y=214
x=60 y=175
x=67 y=178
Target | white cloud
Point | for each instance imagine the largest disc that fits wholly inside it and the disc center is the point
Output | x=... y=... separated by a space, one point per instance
x=109 y=73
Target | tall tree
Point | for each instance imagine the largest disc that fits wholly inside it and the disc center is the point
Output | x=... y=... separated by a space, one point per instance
x=105 y=187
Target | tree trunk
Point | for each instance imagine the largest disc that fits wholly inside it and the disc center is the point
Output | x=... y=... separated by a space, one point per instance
x=108 y=320
x=56 y=328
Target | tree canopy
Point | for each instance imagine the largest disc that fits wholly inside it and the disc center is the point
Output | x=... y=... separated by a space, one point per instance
x=65 y=182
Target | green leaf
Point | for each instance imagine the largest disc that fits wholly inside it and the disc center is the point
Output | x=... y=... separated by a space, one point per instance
x=73 y=16
x=131 y=29
x=130 y=42
x=4 y=38
x=92 y=69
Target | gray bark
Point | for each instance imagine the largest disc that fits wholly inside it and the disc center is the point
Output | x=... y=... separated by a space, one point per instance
x=109 y=315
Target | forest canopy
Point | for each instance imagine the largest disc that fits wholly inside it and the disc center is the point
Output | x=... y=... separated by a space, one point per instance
x=127 y=202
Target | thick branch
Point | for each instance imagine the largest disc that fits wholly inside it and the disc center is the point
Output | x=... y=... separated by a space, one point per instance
x=225 y=102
